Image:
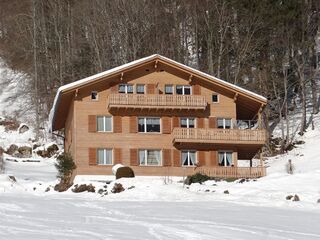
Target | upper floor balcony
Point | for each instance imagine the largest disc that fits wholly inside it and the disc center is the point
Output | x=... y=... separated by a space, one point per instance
x=156 y=101
x=219 y=136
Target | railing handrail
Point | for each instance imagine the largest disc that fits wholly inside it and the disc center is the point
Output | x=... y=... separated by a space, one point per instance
x=157 y=100
x=220 y=134
x=233 y=172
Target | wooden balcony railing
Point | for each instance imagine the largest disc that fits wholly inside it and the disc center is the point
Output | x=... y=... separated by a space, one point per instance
x=157 y=101
x=232 y=172
x=217 y=135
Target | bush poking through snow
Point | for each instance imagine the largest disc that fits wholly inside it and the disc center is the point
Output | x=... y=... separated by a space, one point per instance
x=197 y=178
x=65 y=166
x=318 y=200
x=296 y=198
x=289 y=197
x=290 y=167
x=226 y=192
x=117 y=188
x=83 y=187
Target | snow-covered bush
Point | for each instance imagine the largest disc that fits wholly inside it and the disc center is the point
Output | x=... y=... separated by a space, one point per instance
x=65 y=166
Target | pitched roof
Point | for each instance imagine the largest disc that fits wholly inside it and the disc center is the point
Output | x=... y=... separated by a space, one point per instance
x=155 y=57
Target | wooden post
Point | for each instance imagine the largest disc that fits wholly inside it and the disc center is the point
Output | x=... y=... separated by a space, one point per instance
x=261 y=158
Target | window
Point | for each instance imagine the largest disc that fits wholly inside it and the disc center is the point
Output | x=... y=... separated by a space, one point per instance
x=125 y=88
x=148 y=124
x=168 y=89
x=94 y=95
x=188 y=158
x=140 y=89
x=150 y=157
x=183 y=90
x=215 y=98
x=187 y=122
x=104 y=124
x=104 y=157
x=225 y=159
x=224 y=123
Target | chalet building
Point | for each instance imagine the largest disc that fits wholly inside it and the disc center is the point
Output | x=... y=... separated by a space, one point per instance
x=161 y=118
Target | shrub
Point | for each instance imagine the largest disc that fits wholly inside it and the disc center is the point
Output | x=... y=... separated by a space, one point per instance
x=197 y=178
x=65 y=166
x=117 y=188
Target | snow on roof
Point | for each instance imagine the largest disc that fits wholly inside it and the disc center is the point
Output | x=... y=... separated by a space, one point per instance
x=133 y=63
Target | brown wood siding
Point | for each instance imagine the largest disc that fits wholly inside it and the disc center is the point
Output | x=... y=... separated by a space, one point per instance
x=176 y=158
x=117 y=124
x=212 y=122
x=151 y=88
x=175 y=122
x=201 y=158
x=166 y=125
x=134 y=157
x=133 y=124
x=114 y=89
x=92 y=123
x=196 y=90
x=92 y=156
x=213 y=158
x=200 y=123
x=117 y=154
x=166 y=154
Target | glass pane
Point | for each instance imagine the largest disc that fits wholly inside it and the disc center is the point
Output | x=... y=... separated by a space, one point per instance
x=153 y=157
x=179 y=89
x=108 y=126
x=183 y=122
x=169 y=89
x=153 y=124
x=100 y=156
x=187 y=90
x=192 y=158
x=122 y=88
x=108 y=156
x=220 y=123
x=140 y=89
x=191 y=123
x=141 y=125
x=227 y=123
x=94 y=95
x=129 y=88
x=228 y=158
x=184 y=156
x=142 y=157
x=214 y=98
x=221 y=158
x=100 y=127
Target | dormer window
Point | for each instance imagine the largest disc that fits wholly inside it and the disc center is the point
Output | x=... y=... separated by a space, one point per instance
x=215 y=98
x=183 y=90
x=168 y=89
x=140 y=88
x=94 y=95
x=125 y=88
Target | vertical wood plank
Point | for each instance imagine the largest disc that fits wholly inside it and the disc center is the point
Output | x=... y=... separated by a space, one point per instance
x=176 y=158
x=92 y=153
x=133 y=124
x=134 y=157
x=117 y=153
x=166 y=125
x=92 y=123
x=166 y=154
x=117 y=124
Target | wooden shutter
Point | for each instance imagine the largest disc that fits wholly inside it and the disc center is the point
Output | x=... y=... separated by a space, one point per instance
x=134 y=157
x=196 y=90
x=176 y=158
x=92 y=156
x=133 y=124
x=200 y=123
x=92 y=123
x=151 y=88
x=114 y=89
x=117 y=124
x=175 y=122
x=117 y=154
x=166 y=154
x=201 y=158
x=166 y=125
x=213 y=158
x=212 y=122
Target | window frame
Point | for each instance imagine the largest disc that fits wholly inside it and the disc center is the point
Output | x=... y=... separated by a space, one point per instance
x=146 y=157
x=215 y=94
x=188 y=122
x=224 y=123
x=165 y=89
x=225 y=155
x=145 y=125
x=125 y=88
x=105 y=156
x=144 y=88
x=97 y=96
x=188 y=154
x=183 y=89
x=104 y=123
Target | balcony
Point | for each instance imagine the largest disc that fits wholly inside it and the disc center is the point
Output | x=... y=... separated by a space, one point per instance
x=219 y=136
x=232 y=172
x=156 y=101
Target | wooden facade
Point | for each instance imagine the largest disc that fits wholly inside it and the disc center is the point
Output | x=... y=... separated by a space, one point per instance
x=128 y=98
